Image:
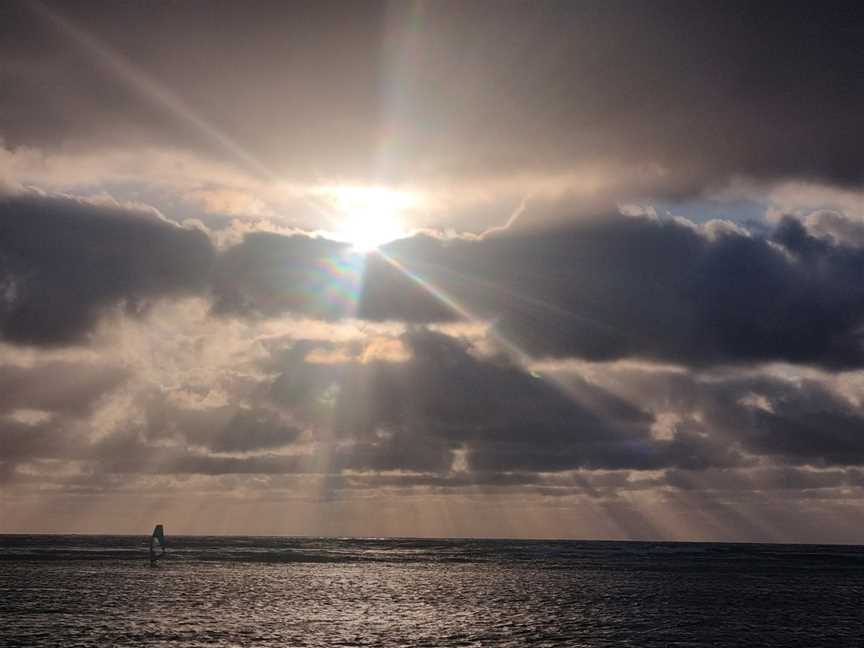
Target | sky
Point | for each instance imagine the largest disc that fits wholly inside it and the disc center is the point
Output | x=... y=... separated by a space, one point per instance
x=493 y=269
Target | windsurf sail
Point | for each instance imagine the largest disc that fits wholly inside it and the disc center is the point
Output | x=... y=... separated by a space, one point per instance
x=158 y=536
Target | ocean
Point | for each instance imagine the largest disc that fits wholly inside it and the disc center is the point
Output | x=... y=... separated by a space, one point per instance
x=233 y=591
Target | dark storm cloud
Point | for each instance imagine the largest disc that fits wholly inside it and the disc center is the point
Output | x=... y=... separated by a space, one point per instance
x=704 y=90
x=416 y=417
x=620 y=287
x=64 y=261
x=413 y=415
x=603 y=288
x=450 y=418
x=804 y=423
x=792 y=421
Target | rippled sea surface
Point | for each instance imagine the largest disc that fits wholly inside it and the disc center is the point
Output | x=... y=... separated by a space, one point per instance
x=216 y=591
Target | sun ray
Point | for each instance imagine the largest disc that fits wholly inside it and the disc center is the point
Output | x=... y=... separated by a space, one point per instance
x=148 y=87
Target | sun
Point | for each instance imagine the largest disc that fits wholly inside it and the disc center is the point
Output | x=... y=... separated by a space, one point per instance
x=369 y=217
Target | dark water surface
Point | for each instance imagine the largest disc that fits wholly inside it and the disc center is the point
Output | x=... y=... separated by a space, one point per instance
x=217 y=591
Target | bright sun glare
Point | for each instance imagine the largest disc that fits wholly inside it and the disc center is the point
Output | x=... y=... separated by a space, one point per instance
x=370 y=216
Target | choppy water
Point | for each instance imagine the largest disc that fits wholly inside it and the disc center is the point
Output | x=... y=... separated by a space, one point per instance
x=216 y=591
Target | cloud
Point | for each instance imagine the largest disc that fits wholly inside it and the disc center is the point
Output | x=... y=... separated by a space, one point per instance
x=64 y=262
x=618 y=287
x=605 y=288
x=645 y=85
x=418 y=416
x=779 y=416
x=450 y=417
x=447 y=399
x=63 y=387
x=254 y=422
x=244 y=430
x=837 y=227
